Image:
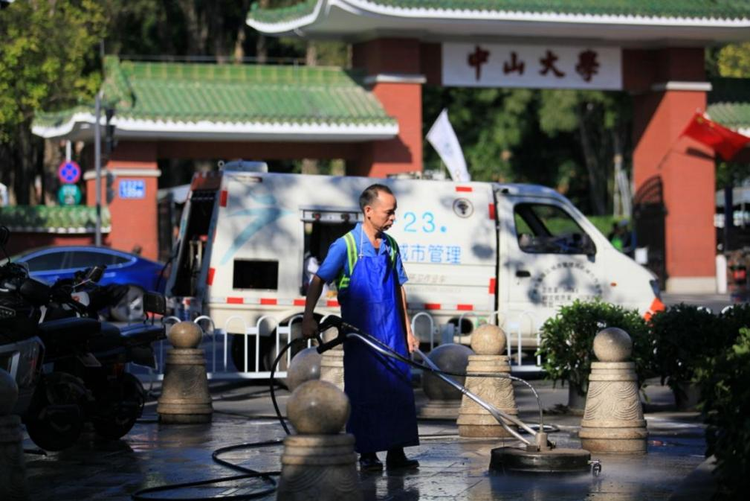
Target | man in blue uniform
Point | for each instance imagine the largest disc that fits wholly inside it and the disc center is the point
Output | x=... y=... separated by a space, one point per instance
x=367 y=267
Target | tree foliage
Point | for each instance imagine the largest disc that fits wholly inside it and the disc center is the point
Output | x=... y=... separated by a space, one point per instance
x=562 y=138
x=48 y=61
x=734 y=60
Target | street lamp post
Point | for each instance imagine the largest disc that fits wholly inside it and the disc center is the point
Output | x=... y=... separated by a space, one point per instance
x=98 y=166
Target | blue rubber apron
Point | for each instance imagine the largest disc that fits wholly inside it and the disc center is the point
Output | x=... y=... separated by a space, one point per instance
x=379 y=388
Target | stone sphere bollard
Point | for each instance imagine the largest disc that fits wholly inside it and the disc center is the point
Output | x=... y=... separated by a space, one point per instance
x=444 y=400
x=13 y=483
x=305 y=366
x=488 y=342
x=613 y=418
x=319 y=463
x=184 y=394
x=332 y=362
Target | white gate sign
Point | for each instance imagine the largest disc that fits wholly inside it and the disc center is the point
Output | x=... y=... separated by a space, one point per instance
x=532 y=66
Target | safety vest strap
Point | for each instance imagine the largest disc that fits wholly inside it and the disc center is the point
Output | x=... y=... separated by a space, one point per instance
x=352 y=257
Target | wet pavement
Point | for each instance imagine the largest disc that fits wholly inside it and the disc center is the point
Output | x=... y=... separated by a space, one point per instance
x=451 y=467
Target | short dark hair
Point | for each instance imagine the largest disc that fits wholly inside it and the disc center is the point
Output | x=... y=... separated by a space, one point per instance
x=371 y=193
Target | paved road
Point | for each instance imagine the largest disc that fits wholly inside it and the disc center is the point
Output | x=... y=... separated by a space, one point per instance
x=452 y=468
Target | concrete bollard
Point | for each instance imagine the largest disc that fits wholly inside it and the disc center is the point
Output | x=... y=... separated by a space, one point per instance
x=444 y=400
x=305 y=366
x=332 y=362
x=613 y=418
x=184 y=395
x=13 y=483
x=319 y=463
x=488 y=342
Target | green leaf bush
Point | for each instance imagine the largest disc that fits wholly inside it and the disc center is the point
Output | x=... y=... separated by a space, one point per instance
x=567 y=339
x=725 y=391
x=684 y=337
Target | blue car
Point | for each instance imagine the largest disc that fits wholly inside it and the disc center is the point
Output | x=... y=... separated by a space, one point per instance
x=52 y=263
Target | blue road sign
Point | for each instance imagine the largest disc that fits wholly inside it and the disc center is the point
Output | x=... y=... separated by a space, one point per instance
x=132 y=189
x=69 y=172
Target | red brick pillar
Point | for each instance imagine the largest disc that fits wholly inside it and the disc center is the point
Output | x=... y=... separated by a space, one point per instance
x=393 y=69
x=134 y=207
x=669 y=86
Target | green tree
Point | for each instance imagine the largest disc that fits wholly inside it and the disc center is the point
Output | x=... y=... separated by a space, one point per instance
x=734 y=60
x=567 y=139
x=489 y=124
x=600 y=122
x=48 y=61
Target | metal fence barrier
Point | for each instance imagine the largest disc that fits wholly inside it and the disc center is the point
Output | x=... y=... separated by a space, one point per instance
x=216 y=341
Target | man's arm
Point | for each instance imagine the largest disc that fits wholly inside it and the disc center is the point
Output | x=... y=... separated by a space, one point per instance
x=309 y=325
x=412 y=342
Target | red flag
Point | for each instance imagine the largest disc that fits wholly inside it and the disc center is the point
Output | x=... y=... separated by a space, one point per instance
x=725 y=142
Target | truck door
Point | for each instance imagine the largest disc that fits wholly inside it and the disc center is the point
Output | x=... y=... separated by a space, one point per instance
x=549 y=260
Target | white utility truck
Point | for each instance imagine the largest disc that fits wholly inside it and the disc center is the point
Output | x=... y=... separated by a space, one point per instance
x=474 y=252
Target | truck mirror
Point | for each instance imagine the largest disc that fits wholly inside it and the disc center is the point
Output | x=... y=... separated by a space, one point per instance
x=587 y=245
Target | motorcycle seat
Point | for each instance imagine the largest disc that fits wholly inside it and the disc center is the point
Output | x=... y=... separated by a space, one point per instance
x=138 y=334
x=83 y=327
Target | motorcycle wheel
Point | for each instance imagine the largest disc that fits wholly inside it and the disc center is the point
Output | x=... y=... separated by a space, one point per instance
x=55 y=417
x=119 y=407
x=130 y=307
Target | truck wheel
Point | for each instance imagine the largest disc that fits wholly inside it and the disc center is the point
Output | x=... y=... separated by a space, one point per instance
x=55 y=417
x=118 y=407
x=130 y=307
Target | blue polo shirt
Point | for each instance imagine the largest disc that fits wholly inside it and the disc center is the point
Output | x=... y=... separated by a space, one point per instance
x=336 y=260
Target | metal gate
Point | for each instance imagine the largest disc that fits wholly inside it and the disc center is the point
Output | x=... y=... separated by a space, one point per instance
x=649 y=215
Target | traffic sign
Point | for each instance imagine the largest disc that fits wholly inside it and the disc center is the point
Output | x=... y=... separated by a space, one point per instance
x=69 y=194
x=69 y=172
x=132 y=188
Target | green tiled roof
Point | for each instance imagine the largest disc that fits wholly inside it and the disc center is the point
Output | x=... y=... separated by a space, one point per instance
x=710 y=9
x=729 y=102
x=53 y=219
x=229 y=93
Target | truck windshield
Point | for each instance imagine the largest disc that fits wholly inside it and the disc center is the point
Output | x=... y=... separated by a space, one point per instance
x=548 y=229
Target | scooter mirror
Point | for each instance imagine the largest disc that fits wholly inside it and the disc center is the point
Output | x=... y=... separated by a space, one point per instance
x=95 y=273
x=153 y=302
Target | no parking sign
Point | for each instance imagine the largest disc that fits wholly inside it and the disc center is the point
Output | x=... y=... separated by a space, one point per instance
x=69 y=172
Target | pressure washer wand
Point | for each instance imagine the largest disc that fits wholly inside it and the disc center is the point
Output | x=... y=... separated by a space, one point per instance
x=499 y=415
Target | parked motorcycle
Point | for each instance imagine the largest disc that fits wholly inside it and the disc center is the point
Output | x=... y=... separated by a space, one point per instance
x=84 y=359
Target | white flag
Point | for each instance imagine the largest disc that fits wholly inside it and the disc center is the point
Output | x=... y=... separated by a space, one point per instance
x=444 y=140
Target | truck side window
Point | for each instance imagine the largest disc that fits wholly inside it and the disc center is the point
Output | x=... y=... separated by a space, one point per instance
x=548 y=229
x=250 y=274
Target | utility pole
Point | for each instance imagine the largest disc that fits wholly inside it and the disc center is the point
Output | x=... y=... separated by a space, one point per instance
x=98 y=165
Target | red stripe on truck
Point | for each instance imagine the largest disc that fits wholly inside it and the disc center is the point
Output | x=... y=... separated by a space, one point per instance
x=465 y=189
x=223 y=199
x=465 y=307
x=493 y=285
x=432 y=306
x=269 y=301
x=492 y=211
x=332 y=303
x=299 y=302
x=235 y=300
x=210 y=277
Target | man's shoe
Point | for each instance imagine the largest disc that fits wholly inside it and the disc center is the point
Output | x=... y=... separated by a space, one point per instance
x=399 y=461
x=370 y=463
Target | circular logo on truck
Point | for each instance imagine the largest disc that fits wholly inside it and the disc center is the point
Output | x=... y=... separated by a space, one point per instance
x=563 y=283
x=463 y=207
